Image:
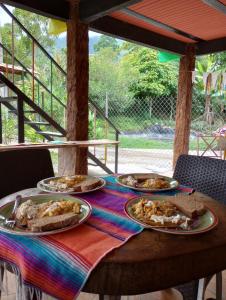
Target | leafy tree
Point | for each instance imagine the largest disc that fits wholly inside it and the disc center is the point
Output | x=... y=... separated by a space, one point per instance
x=110 y=78
x=106 y=42
x=154 y=78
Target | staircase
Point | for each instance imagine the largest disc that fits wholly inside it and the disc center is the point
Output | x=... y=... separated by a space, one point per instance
x=34 y=101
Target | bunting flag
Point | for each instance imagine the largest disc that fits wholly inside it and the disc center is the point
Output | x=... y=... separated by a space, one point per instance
x=165 y=57
x=56 y=27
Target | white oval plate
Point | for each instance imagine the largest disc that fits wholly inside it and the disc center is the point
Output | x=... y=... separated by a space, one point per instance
x=45 y=187
x=205 y=223
x=6 y=209
x=173 y=183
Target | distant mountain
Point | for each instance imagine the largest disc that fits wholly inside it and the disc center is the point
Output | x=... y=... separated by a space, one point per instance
x=61 y=43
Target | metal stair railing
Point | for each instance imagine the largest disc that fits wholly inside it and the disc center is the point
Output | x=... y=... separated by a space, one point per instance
x=42 y=95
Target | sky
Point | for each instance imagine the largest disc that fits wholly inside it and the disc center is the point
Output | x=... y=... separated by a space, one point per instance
x=4 y=19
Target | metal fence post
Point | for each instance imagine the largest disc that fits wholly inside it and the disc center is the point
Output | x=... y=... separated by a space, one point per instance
x=20 y=109
x=116 y=152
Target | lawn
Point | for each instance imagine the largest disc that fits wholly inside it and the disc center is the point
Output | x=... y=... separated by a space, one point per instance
x=143 y=143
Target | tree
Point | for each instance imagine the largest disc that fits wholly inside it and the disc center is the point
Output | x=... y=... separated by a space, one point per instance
x=106 y=42
x=208 y=64
x=154 y=78
x=109 y=77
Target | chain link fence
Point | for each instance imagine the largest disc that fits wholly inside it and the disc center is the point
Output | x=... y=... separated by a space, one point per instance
x=147 y=130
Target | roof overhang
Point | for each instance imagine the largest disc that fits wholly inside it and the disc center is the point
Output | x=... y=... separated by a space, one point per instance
x=167 y=25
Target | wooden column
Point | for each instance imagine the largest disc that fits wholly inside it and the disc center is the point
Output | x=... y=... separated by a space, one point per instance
x=74 y=161
x=184 y=104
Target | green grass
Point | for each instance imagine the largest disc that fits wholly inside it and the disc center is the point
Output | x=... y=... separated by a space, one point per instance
x=141 y=143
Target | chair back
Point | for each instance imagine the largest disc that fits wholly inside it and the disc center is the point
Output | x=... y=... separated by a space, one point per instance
x=206 y=175
x=22 y=169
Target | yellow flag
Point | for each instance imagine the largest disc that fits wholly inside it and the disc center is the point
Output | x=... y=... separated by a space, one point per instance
x=56 y=27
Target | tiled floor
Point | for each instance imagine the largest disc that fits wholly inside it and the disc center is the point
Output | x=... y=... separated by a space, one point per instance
x=163 y=295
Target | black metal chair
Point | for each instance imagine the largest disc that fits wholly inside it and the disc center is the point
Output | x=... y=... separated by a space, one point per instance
x=208 y=176
x=22 y=169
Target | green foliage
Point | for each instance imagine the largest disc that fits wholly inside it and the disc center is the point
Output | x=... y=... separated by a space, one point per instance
x=154 y=78
x=109 y=78
x=95 y=130
x=37 y=25
x=106 y=42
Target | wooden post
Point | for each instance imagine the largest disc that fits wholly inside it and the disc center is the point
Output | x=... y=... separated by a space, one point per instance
x=184 y=104
x=74 y=161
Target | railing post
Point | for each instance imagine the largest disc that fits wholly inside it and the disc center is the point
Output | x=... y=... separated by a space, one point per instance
x=116 y=152
x=13 y=50
x=0 y=123
x=51 y=87
x=33 y=70
x=20 y=109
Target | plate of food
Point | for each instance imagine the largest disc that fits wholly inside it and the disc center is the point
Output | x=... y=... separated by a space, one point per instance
x=147 y=182
x=76 y=184
x=181 y=214
x=46 y=214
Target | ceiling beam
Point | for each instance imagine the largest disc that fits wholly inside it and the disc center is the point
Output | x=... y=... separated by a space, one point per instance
x=89 y=11
x=159 y=24
x=58 y=9
x=111 y=26
x=216 y=4
x=217 y=45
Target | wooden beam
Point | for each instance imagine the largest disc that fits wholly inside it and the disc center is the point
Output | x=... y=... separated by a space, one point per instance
x=184 y=104
x=75 y=161
x=216 y=5
x=95 y=9
x=111 y=26
x=151 y=21
x=212 y=46
x=58 y=9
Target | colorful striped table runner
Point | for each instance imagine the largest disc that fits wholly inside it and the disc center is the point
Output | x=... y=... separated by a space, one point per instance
x=60 y=264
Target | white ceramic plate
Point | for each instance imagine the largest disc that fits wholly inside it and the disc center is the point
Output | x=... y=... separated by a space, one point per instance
x=44 y=186
x=203 y=223
x=173 y=183
x=6 y=209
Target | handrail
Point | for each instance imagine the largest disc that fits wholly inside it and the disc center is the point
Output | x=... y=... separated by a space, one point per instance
x=103 y=116
x=33 y=38
x=30 y=73
x=25 y=98
x=52 y=61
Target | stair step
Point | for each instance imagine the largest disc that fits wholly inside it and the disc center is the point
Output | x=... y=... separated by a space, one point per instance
x=37 y=123
x=12 y=111
x=8 y=99
x=58 y=134
x=30 y=112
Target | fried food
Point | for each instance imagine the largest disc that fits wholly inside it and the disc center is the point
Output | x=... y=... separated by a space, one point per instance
x=29 y=210
x=146 y=181
x=159 y=214
x=67 y=184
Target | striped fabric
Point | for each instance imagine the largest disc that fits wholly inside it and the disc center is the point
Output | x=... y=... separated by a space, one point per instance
x=60 y=264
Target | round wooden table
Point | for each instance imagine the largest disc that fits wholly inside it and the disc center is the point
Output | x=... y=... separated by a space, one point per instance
x=154 y=261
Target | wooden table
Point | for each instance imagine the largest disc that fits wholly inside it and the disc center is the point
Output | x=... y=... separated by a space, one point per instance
x=154 y=261
x=56 y=145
